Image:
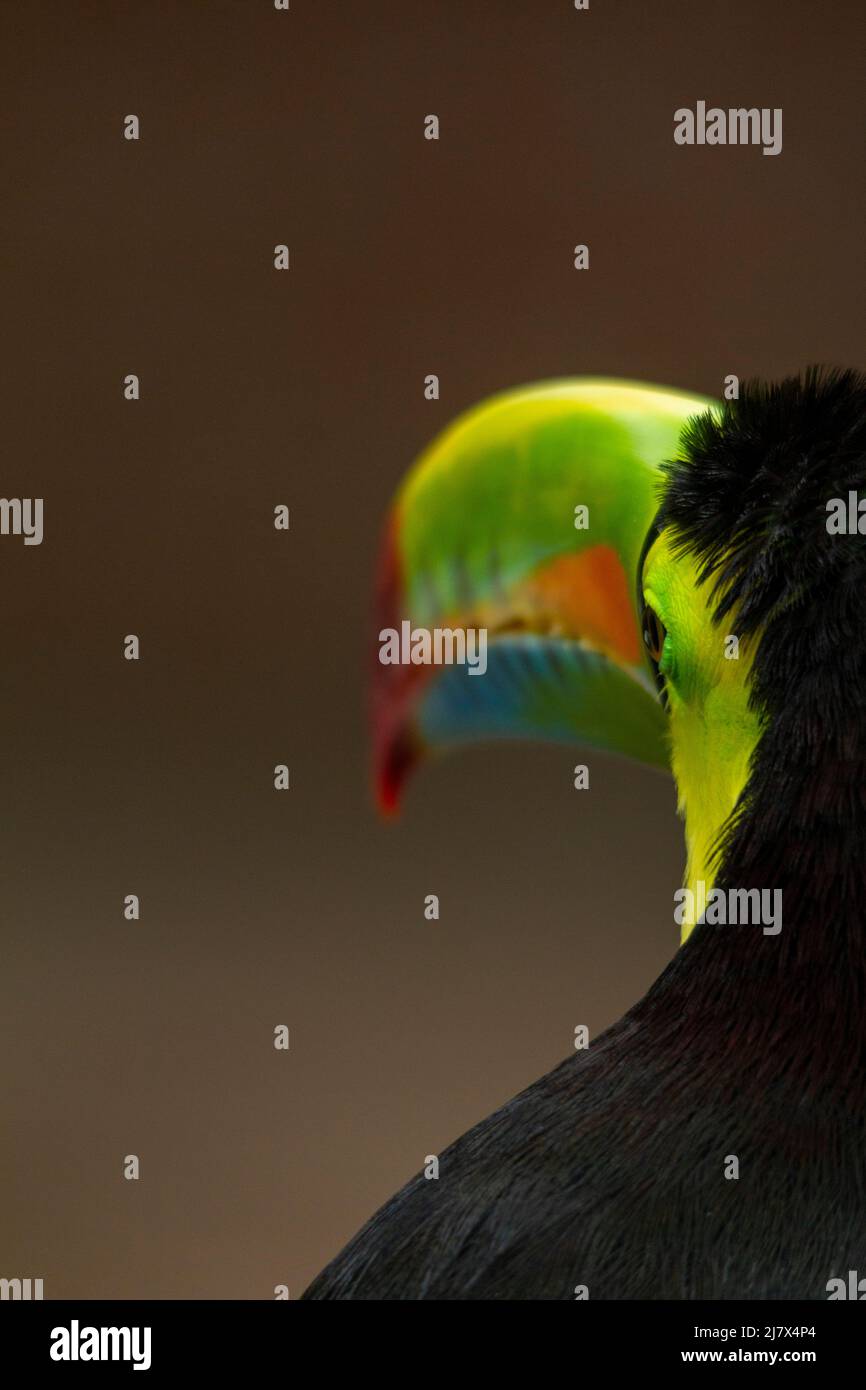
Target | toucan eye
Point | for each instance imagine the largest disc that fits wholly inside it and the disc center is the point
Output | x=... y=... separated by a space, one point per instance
x=653 y=633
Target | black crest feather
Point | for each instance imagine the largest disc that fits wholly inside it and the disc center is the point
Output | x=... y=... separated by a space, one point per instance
x=748 y=495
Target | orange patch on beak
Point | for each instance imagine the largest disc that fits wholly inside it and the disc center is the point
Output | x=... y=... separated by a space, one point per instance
x=589 y=597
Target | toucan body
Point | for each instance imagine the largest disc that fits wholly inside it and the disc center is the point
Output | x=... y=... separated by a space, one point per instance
x=611 y=539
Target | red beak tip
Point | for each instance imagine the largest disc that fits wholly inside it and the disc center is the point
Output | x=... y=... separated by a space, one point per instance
x=387 y=798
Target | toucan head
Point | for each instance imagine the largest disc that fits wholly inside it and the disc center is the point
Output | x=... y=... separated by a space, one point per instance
x=645 y=572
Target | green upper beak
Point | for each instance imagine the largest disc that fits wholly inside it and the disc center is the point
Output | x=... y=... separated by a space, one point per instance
x=524 y=522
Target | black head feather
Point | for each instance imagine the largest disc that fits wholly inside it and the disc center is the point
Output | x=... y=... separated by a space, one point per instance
x=748 y=498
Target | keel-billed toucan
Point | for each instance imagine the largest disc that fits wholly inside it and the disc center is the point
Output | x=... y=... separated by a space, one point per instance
x=611 y=539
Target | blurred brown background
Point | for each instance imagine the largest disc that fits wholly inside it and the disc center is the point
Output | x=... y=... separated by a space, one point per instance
x=408 y=257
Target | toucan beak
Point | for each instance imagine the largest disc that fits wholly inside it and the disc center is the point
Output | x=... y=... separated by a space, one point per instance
x=513 y=543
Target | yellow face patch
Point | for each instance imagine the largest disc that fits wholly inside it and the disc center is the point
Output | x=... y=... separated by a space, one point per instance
x=713 y=732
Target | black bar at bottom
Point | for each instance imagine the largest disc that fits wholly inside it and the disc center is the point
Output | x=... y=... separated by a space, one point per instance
x=220 y=1338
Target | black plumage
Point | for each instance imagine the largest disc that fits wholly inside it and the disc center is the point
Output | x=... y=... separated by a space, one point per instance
x=607 y=1173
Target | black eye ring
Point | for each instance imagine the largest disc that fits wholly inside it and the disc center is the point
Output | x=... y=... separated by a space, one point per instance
x=653 y=633
x=650 y=635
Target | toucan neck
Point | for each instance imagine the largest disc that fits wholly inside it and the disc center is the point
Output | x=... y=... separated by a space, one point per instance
x=802 y=829
x=794 y=1000
x=785 y=1011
